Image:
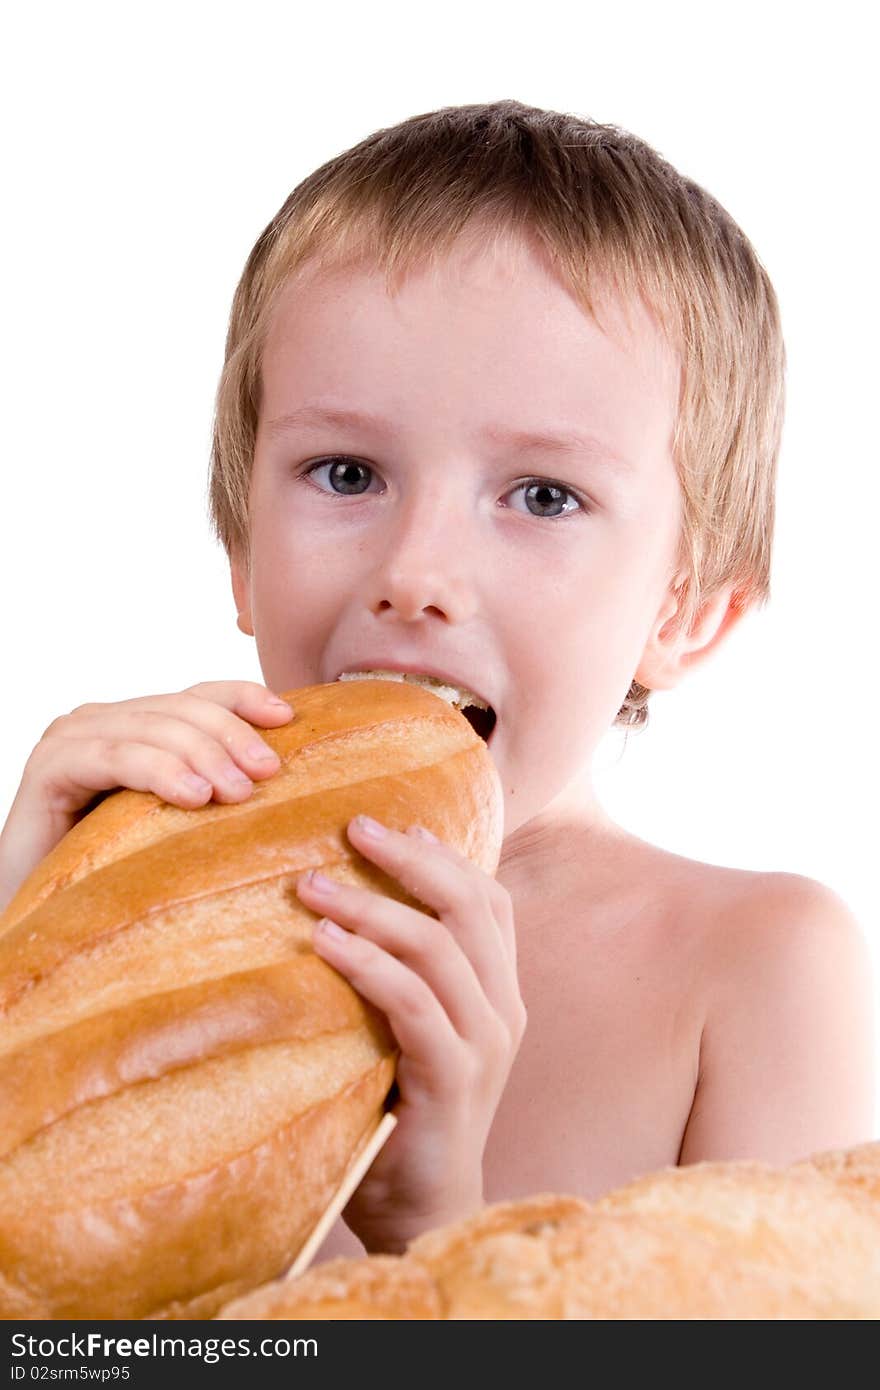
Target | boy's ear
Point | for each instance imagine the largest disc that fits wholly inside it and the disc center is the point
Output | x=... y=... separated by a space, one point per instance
x=671 y=651
x=242 y=591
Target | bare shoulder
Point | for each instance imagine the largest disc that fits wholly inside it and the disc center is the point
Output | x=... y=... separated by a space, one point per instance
x=734 y=912
x=781 y=979
x=762 y=935
x=700 y=901
x=775 y=921
x=787 y=1048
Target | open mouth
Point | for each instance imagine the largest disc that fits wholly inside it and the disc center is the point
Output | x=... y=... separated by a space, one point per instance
x=482 y=721
x=481 y=717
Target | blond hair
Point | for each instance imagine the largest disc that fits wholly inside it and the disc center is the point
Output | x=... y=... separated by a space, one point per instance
x=608 y=210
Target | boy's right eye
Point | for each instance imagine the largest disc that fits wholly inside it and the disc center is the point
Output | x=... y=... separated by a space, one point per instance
x=344 y=471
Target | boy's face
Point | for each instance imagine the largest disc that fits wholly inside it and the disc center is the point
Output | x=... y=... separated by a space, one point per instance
x=423 y=544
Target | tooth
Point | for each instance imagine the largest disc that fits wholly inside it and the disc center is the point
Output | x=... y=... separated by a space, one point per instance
x=459 y=697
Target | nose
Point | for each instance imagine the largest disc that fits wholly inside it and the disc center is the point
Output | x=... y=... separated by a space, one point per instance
x=426 y=565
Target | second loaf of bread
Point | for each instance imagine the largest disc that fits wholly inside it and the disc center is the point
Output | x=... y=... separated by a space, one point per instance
x=718 y=1240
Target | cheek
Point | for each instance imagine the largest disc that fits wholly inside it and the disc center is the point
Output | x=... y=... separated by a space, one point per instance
x=571 y=657
x=285 y=584
x=623 y=622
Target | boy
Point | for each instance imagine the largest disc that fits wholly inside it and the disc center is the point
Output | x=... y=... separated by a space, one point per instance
x=502 y=402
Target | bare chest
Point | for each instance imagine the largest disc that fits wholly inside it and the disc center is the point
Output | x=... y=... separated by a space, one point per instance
x=603 y=1083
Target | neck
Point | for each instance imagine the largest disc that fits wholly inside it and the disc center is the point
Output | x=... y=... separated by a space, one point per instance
x=570 y=827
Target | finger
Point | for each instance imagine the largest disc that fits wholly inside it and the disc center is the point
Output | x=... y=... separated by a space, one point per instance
x=463 y=897
x=217 y=744
x=499 y=898
x=231 y=769
x=419 y=942
x=89 y=765
x=421 y=1027
x=229 y=726
x=247 y=699
x=254 y=702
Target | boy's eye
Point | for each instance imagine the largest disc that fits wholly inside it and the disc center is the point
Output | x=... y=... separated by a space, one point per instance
x=347 y=474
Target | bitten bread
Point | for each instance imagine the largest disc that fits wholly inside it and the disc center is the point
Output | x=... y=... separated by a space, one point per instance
x=183 y=1082
x=709 y=1240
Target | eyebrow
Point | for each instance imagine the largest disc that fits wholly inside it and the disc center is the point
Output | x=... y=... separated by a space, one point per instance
x=554 y=441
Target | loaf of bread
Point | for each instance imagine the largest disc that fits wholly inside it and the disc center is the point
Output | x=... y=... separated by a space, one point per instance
x=709 y=1240
x=183 y=1081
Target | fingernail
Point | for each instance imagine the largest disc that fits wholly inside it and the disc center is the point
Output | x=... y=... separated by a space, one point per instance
x=196 y=784
x=423 y=834
x=331 y=929
x=320 y=883
x=236 y=777
x=262 y=753
x=370 y=827
x=274 y=700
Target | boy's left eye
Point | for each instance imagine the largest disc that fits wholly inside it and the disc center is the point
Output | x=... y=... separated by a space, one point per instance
x=542 y=486
x=548 y=493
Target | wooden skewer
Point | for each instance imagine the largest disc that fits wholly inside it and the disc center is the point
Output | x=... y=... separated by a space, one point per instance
x=353 y=1174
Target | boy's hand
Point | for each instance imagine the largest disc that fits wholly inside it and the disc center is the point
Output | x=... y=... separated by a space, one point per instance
x=156 y=743
x=449 y=990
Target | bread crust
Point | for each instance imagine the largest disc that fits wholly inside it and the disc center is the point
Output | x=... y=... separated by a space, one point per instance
x=183 y=1082
x=381 y=1288
x=736 y=1240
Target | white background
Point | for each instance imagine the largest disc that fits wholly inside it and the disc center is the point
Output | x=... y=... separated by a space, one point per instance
x=145 y=150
